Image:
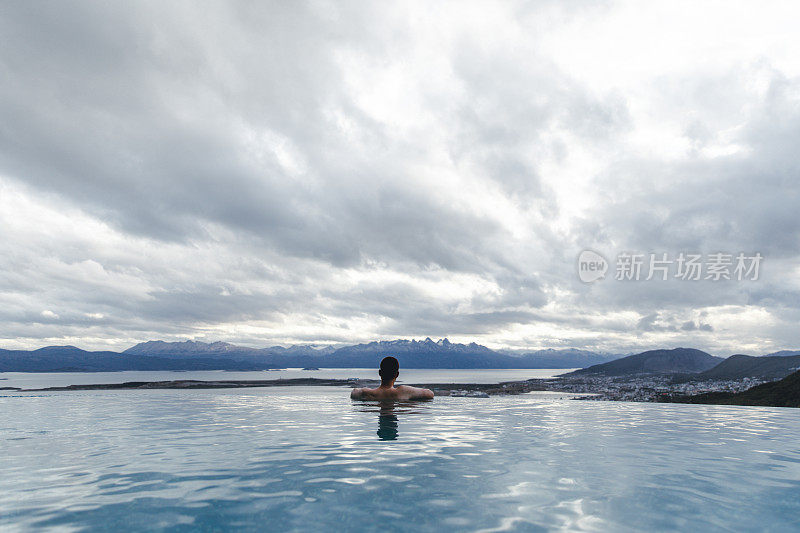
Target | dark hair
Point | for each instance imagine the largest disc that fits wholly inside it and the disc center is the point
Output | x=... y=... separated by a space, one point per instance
x=390 y=369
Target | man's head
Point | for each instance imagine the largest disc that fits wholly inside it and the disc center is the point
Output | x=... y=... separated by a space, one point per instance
x=390 y=368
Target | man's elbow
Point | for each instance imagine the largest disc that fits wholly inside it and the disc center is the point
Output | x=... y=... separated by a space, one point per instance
x=427 y=394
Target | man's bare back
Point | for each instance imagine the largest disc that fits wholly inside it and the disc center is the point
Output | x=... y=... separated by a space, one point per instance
x=401 y=392
x=389 y=371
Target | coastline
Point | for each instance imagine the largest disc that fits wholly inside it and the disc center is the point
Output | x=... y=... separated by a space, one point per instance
x=441 y=389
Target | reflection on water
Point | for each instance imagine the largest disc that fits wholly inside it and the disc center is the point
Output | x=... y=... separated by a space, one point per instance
x=387 y=427
x=388 y=421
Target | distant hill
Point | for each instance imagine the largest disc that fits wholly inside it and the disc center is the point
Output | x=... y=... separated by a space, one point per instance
x=676 y=361
x=783 y=353
x=185 y=348
x=193 y=355
x=566 y=358
x=72 y=359
x=783 y=393
x=768 y=367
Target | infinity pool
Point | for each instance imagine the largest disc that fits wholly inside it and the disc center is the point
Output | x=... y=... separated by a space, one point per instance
x=308 y=458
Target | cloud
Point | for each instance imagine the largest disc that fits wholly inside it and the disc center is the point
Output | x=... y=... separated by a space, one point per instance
x=335 y=172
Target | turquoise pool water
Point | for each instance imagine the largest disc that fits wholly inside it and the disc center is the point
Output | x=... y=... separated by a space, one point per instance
x=283 y=459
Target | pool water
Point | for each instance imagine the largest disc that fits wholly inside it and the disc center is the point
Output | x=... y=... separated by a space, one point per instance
x=308 y=458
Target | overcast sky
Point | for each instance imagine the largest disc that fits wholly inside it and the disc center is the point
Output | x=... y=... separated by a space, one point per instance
x=328 y=172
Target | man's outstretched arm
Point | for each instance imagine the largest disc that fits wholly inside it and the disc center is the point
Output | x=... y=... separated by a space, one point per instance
x=356 y=394
x=416 y=393
x=426 y=394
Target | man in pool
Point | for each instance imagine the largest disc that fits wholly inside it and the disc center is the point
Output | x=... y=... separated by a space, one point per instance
x=389 y=371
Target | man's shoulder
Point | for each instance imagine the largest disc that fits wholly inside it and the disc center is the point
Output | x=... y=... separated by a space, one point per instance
x=363 y=391
x=367 y=393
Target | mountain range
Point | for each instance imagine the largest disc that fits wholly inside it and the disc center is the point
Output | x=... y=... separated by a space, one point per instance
x=688 y=364
x=193 y=355
x=684 y=363
x=413 y=354
x=72 y=359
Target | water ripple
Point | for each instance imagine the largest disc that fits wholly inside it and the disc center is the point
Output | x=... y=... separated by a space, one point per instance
x=300 y=459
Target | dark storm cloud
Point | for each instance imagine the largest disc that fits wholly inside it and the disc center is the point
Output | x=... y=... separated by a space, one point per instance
x=148 y=133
